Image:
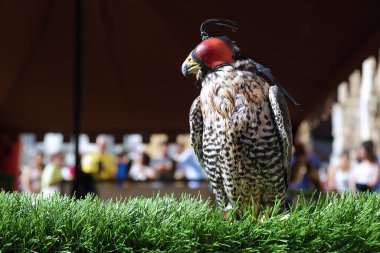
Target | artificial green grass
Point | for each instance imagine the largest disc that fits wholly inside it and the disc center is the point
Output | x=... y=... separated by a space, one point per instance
x=349 y=223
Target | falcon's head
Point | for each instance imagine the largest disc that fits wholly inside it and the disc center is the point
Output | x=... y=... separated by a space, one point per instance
x=211 y=53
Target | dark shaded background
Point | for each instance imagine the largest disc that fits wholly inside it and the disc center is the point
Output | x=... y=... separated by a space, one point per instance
x=132 y=52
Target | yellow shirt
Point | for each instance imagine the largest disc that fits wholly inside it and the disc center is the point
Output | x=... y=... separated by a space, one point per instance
x=101 y=166
x=51 y=175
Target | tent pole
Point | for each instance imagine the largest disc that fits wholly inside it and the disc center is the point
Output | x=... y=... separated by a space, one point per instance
x=77 y=188
x=83 y=183
x=77 y=79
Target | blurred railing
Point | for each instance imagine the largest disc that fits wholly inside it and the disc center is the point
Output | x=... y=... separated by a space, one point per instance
x=111 y=189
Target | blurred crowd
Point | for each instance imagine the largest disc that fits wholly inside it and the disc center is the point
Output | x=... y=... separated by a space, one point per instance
x=46 y=178
x=308 y=173
x=347 y=173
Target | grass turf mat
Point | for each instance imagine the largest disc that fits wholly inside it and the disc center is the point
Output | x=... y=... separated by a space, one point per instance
x=347 y=223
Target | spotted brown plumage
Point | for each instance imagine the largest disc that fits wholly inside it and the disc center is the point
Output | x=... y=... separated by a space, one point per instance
x=240 y=127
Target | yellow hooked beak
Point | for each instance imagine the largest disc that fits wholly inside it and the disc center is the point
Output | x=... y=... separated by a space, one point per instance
x=189 y=66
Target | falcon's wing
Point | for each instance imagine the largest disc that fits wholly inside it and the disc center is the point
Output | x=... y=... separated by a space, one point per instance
x=264 y=71
x=196 y=129
x=284 y=127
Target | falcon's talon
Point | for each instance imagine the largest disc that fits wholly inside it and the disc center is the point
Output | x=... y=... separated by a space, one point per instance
x=285 y=217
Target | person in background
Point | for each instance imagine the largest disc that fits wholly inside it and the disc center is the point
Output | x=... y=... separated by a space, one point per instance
x=31 y=175
x=51 y=177
x=122 y=165
x=365 y=174
x=304 y=171
x=188 y=167
x=139 y=170
x=162 y=164
x=101 y=165
x=339 y=176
